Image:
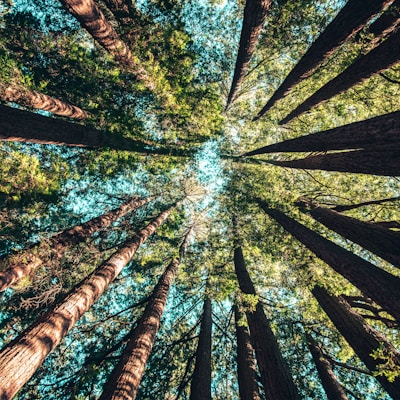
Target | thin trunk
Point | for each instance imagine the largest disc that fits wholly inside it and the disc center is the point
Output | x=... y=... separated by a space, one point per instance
x=341 y=207
x=378 y=131
x=378 y=240
x=333 y=388
x=350 y=20
x=255 y=12
x=383 y=161
x=275 y=374
x=379 y=285
x=246 y=366
x=377 y=60
x=21 y=358
x=24 y=262
x=200 y=388
x=386 y=23
x=361 y=337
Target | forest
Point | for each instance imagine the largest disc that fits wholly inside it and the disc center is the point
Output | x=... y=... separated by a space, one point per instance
x=199 y=199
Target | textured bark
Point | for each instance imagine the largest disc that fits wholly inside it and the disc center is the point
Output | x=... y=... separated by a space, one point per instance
x=246 y=366
x=377 y=60
x=379 y=285
x=275 y=374
x=200 y=388
x=382 y=160
x=255 y=12
x=20 y=359
x=24 y=262
x=333 y=389
x=380 y=241
x=350 y=20
x=361 y=337
x=378 y=131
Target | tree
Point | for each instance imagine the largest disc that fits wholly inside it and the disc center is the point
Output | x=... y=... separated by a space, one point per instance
x=347 y=207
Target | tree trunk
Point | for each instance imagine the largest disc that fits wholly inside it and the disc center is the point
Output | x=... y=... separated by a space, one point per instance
x=275 y=374
x=378 y=131
x=24 y=262
x=378 y=240
x=255 y=12
x=386 y=23
x=383 y=160
x=246 y=366
x=20 y=359
x=333 y=388
x=350 y=20
x=377 y=60
x=200 y=388
x=379 y=285
x=361 y=337
x=347 y=207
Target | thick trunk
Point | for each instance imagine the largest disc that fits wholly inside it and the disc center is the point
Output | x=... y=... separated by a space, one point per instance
x=24 y=262
x=378 y=131
x=246 y=366
x=378 y=240
x=383 y=160
x=386 y=23
x=255 y=12
x=379 y=285
x=333 y=389
x=377 y=60
x=20 y=359
x=350 y=20
x=361 y=337
x=275 y=374
x=347 y=207
x=200 y=388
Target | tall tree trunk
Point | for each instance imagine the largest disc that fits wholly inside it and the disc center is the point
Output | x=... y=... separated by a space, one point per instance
x=350 y=20
x=379 y=285
x=275 y=374
x=333 y=388
x=386 y=23
x=382 y=160
x=347 y=207
x=378 y=131
x=200 y=388
x=255 y=12
x=361 y=337
x=378 y=240
x=24 y=262
x=246 y=366
x=377 y=60
x=20 y=359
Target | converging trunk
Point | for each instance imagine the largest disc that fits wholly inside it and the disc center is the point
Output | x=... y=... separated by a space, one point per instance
x=347 y=207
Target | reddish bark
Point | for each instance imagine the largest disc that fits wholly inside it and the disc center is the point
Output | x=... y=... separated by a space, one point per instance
x=386 y=23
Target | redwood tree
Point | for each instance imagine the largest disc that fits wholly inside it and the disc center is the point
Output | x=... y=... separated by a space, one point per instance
x=347 y=207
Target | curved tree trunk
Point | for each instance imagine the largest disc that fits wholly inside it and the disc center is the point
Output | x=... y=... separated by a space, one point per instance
x=24 y=262
x=377 y=60
x=379 y=285
x=20 y=359
x=361 y=337
x=350 y=20
x=255 y=12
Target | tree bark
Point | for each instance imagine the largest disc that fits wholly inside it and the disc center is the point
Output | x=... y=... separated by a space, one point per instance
x=20 y=359
x=347 y=207
x=377 y=60
x=379 y=285
x=333 y=388
x=255 y=12
x=378 y=131
x=361 y=337
x=200 y=388
x=386 y=23
x=24 y=262
x=275 y=374
x=246 y=366
x=350 y=20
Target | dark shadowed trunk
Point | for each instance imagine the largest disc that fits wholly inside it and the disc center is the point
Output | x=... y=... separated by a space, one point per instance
x=377 y=60
x=200 y=388
x=21 y=358
x=275 y=374
x=333 y=388
x=350 y=20
x=24 y=262
x=379 y=285
x=361 y=337
x=347 y=207
x=255 y=12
